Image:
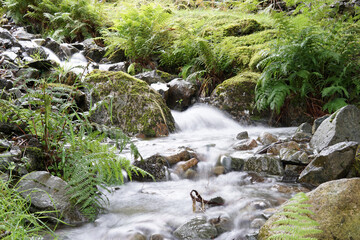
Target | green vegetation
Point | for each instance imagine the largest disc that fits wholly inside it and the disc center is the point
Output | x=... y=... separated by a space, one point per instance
x=61 y=19
x=295 y=221
x=73 y=151
x=16 y=221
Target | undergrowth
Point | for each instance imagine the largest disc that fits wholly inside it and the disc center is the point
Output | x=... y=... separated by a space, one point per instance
x=295 y=222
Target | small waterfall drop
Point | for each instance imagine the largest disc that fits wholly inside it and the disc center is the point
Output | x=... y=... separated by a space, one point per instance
x=202 y=117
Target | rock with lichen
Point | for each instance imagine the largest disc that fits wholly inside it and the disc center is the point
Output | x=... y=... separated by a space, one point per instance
x=128 y=103
x=236 y=95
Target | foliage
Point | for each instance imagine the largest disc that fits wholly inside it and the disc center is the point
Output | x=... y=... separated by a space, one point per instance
x=307 y=66
x=73 y=150
x=62 y=19
x=142 y=32
x=16 y=221
x=295 y=221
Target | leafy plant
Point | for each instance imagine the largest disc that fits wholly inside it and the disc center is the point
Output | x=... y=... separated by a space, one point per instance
x=295 y=221
x=63 y=19
x=142 y=32
x=305 y=67
x=16 y=221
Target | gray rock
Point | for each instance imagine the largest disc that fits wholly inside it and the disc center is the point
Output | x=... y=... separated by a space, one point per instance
x=156 y=165
x=21 y=34
x=244 y=145
x=68 y=49
x=237 y=164
x=162 y=89
x=9 y=55
x=294 y=156
x=242 y=135
x=4 y=145
x=48 y=193
x=304 y=128
x=181 y=94
x=93 y=51
x=343 y=125
x=150 y=77
x=55 y=47
x=301 y=137
x=267 y=138
x=197 y=228
x=6 y=84
x=121 y=66
x=317 y=123
x=264 y=164
x=332 y=163
x=236 y=95
x=8 y=39
x=335 y=205
x=32 y=48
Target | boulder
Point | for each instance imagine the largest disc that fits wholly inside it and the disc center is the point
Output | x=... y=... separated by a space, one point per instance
x=336 y=208
x=236 y=95
x=21 y=34
x=264 y=164
x=55 y=47
x=48 y=193
x=93 y=51
x=136 y=107
x=197 y=228
x=343 y=125
x=7 y=39
x=155 y=76
x=294 y=156
x=244 y=145
x=242 y=135
x=317 y=123
x=267 y=138
x=181 y=94
x=332 y=163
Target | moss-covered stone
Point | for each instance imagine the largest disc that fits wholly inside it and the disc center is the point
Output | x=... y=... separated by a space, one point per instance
x=236 y=95
x=336 y=208
x=244 y=27
x=134 y=106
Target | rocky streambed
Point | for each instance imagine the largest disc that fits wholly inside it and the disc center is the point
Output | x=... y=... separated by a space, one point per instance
x=247 y=170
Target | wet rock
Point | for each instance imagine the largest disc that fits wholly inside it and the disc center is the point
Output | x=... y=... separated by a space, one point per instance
x=301 y=137
x=264 y=164
x=162 y=89
x=68 y=49
x=7 y=39
x=21 y=34
x=9 y=55
x=236 y=95
x=6 y=84
x=32 y=48
x=48 y=193
x=282 y=188
x=42 y=65
x=180 y=157
x=181 y=167
x=335 y=205
x=93 y=51
x=157 y=237
x=137 y=236
x=275 y=148
x=181 y=94
x=154 y=76
x=190 y=174
x=332 y=163
x=155 y=165
x=257 y=223
x=317 y=123
x=245 y=145
x=218 y=170
x=28 y=73
x=294 y=156
x=267 y=138
x=115 y=67
x=304 y=128
x=237 y=164
x=136 y=108
x=197 y=228
x=242 y=135
x=343 y=125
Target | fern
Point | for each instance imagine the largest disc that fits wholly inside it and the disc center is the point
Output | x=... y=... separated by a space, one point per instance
x=295 y=222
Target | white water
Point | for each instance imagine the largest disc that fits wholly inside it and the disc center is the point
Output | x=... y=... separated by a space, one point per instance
x=161 y=207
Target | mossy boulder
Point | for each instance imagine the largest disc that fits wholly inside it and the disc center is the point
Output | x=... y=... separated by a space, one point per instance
x=336 y=208
x=129 y=103
x=243 y=27
x=236 y=95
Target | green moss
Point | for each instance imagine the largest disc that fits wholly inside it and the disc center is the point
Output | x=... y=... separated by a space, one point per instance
x=244 y=27
x=136 y=108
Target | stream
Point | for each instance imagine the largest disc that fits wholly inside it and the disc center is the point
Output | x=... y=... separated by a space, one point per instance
x=161 y=207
